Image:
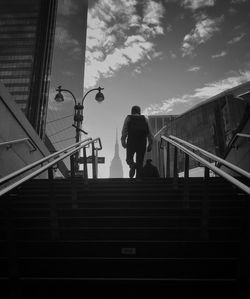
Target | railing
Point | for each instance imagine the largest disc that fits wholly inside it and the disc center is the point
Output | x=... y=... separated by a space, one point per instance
x=10 y=143
x=40 y=168
x=239 y=135
x=159 y=132
x=177 y=143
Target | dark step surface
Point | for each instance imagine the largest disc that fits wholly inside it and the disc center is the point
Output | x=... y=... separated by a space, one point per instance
x=94 y=267
x=123 y=289
x=118 y=248
x=145 y=237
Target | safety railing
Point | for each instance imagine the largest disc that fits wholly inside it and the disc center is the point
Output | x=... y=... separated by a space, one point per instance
x=10 y=143
x=52 y=160
x=160 y=131
x=239 y=135
x=184 y=146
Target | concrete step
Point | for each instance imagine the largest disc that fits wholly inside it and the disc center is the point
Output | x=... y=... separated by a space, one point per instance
x=129 y=248
x=127 y=233
x=113 y=288
x=125 y=267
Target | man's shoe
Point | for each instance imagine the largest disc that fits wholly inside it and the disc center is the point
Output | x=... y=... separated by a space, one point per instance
x=132 y=171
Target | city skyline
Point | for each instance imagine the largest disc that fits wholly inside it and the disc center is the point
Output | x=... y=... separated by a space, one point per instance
x=165 y=56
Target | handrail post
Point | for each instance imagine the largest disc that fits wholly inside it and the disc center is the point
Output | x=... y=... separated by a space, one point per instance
x=186 y=169
x=96 y=163
x=85 y=165
x=168 y=161
x=206 y=173
x=205 y=206
x=175 y=180
x=209 y=155
x=68 y=151
x=164 y=151
x=186 y=182
x=93 y=161
x=50 y=173
x=175 y=162
x=72 y=166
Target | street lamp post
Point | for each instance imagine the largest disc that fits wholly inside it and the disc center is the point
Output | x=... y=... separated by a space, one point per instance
x=78 y=118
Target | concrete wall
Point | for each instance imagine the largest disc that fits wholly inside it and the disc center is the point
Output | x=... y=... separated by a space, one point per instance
x=240 y=153
x=211 y=125
x=14 y=125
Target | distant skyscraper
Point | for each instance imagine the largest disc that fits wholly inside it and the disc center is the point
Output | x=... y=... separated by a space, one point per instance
x=116 y=170
x=26 y=39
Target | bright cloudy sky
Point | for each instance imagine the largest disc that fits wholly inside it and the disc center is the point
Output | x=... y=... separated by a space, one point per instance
x=165 y=56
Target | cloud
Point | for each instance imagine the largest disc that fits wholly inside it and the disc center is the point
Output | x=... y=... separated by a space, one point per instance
x=67 y=7
x=118 y=36
x=165 y=107
x=200 y=94
x=238 y=1
x=65 y=41
x=173 y=55
x=236 y=39
x=153 y=13
x=135 y=49
x=221 y=54
x=68 y=73
x=232 y=11
x=194 y=69
x=196 y=4
x=204 y=30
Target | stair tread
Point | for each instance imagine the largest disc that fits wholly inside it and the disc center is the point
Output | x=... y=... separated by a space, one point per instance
x=123 y=230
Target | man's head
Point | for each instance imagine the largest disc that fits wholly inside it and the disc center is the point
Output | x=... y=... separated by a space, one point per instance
x=136 y=110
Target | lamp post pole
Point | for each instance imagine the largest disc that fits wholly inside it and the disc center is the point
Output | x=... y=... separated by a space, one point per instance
x=78 y=119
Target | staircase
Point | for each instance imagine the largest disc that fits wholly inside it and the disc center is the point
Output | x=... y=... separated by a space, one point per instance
x=124 y=238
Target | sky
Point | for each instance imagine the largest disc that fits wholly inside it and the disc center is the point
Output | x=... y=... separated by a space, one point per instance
x=163 y=55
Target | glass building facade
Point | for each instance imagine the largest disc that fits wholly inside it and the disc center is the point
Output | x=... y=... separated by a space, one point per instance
x=26 y=41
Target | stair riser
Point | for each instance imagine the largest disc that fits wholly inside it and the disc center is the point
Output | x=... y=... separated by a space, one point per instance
x=77 y=233
x=125 y=249
x=123 y=289
x=125 y=268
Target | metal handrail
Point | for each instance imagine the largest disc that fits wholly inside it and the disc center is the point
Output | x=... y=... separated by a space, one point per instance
x=210 y=166
x=38 y=162
x=163 y=128
x=239 y=135
x=215 y=158
x=76 y=146
x=243 y=135
x=11 y=142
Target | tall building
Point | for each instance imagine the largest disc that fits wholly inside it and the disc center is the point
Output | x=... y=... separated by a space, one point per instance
x=116 y=170
x=26 y=41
